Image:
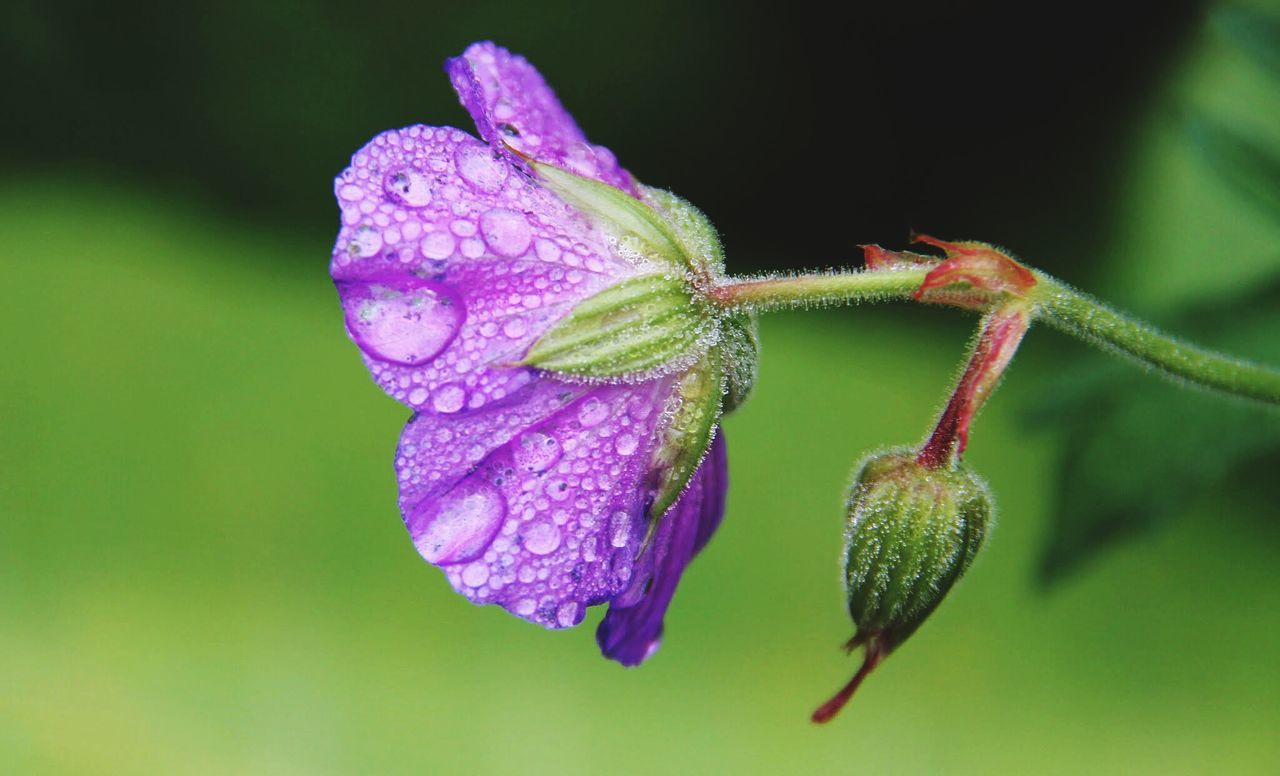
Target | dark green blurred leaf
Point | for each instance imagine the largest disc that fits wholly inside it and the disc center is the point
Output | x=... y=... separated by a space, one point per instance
x=1139 y=451
x=1247 y=166
x=1255 y=31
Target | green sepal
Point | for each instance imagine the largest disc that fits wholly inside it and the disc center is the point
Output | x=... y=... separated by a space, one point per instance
x=638 y=228
x=692 y=230
x=685 y=438
x=740 y=353
x=627 y=329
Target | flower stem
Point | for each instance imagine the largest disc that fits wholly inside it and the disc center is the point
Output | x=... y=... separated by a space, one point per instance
x=1082 y=316
x=998 y=337
x=790 y=292
x=1056 y=303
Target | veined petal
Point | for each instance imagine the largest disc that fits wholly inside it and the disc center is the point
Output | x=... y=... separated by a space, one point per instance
x=535 y=503
x=632 y=629
x=451 y=264
x=513 y=106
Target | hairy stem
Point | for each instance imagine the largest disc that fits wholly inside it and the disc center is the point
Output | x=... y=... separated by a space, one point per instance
x=1081 y=315
x=789 y=292
x=1052 y=301
x=998 y=337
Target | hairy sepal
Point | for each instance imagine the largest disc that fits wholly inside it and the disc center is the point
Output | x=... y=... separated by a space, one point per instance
x=740 y=355
x=697 y=239
x=693 y=409
x=640 y=231
x=635 y=327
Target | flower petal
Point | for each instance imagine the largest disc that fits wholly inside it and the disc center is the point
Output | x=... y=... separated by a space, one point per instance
x=631 y=632
x=513 y=107
x=450 y=264
x=535 y=503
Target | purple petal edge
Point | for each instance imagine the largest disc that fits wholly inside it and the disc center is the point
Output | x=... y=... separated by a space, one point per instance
x=515 y=108
x=631 y=634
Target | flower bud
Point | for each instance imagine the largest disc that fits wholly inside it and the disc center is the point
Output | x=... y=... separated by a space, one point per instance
x=912 y=531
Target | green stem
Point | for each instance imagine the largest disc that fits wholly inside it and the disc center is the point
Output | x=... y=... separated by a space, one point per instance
x=1059 y=305
x=790 y=292
x=1081 y=315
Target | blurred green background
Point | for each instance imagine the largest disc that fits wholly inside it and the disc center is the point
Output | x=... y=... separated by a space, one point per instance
x=202 y=568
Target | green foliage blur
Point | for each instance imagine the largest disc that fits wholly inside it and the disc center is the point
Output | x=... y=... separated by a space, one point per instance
x=202 y=567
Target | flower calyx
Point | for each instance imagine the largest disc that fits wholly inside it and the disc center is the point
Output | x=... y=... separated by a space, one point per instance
x=657 y=323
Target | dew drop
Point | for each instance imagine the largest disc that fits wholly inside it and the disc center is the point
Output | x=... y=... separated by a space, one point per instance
x=506 y=231
x=408 y=323
x=366 y=242
x=409 y=187
x=536 y=451
x=592 y=412
x=619 y=529
x=541 y=538
x=547 y=250
x=639 y=409
x=459 y=525
x=515 y=328
x=567 y=614
x=582 y=160
x=480 y=169
x=437 y=245
x=558 y=490
x=449 y=398
x=475 y=575
x=626 y=444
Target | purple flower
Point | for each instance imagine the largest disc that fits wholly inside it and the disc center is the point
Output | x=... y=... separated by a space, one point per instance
x=598 y=477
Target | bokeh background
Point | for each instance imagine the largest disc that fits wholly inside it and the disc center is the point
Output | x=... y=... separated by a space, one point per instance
x=202 y=568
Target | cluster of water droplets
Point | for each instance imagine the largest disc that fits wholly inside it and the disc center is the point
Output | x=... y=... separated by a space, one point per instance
x=549 y=516
x=450 y=264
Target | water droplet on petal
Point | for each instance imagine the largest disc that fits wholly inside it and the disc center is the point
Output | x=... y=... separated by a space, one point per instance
x=581 y=158
x=536 y=451
x=409 y=187
x=506 y=231
x=541 y=538
x=639 y=408
x=626 y=444
x=547 y=250
x=449 y=398
x=437 y=245
x=408 y=322
x=365 y=242
x=459 y=525
x=479 y=168
x=567 y=614
x=619 y=529
x=475 y=575
x=558 y=490
x=592 y=412
x=515 y=328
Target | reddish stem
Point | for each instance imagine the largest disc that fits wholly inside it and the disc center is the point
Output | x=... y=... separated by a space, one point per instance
x=998 y=340
x=875 y=654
